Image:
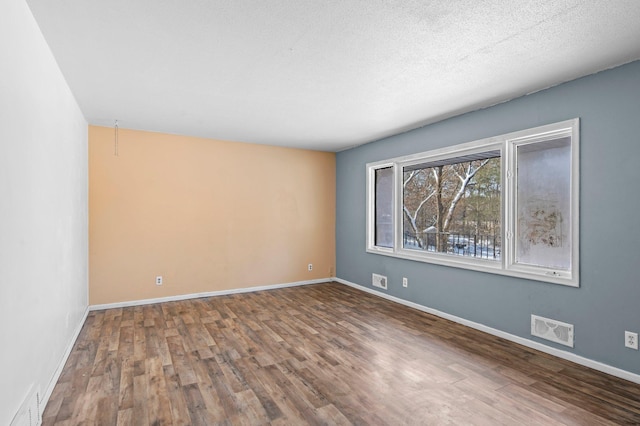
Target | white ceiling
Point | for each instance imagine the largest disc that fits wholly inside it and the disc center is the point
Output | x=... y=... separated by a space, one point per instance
x=317 y=74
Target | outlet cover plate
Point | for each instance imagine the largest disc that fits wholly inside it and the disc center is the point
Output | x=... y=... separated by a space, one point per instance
x=631 y=340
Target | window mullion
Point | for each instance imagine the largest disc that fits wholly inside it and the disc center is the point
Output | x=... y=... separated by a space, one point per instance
x=513 y=230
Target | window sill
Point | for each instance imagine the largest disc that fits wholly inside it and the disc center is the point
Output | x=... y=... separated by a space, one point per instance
x=480 y=265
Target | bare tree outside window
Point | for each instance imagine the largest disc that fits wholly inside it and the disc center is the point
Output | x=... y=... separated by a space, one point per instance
x=507 y=205
x=453 y=207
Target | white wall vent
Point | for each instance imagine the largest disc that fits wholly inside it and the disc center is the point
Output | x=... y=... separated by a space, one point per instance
x=552 y=330
x=379 y=281
x=30 y=413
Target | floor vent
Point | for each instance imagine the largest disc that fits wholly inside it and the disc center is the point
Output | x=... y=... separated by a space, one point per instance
x=552 y=330
x=379 y=281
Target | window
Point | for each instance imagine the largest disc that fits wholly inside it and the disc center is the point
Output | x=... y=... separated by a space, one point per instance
x=453 y=206
x=507 y=205
x=384 y=207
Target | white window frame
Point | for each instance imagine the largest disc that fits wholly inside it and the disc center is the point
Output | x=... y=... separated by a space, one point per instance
x=507 y=145
x=371 y=208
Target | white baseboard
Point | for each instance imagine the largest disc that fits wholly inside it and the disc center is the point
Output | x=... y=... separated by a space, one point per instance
x=605 y=368
x=63 y=361
x=205 y=294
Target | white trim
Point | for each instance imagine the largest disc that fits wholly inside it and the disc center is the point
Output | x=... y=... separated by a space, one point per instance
x=371 y=211
x=205 y=294
x=56 y=375
x=596 y=365
x=505 y=144
x=566 y=129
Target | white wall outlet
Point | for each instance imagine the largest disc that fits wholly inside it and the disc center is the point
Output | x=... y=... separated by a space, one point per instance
x=405 y=282
x=159 y=280
x=310 y=267
x=631 y=340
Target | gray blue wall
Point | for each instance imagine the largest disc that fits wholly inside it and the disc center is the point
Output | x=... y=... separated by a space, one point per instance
x=608 y=300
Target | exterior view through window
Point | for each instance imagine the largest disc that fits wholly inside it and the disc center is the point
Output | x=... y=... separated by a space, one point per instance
x=384 y=207
x=543 y=204
x=506 y=205
x=453 y=207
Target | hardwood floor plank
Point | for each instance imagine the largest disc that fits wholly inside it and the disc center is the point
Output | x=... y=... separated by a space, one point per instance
x=125 y=345
x=195 y=404
x=317 y=354
x=281 y=390
x=330 y=415
x=140 y=399
x=249 y=410
x=139 y=332
x=125 y=391
x=158 y=398
x=179 y=409
x=106 y=411
x=585 y=397
x=257 y=388
x=125 y=417
x=210 y=397
x=310 y=393
x=226 y=396
x=181 y=361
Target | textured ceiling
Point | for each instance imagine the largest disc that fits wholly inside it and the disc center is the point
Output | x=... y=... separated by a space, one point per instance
x=322 y=75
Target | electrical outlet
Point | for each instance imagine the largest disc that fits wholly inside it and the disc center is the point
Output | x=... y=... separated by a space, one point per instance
x=405 y=282
x=310 y=267
x=631 y=340
x=159 y=280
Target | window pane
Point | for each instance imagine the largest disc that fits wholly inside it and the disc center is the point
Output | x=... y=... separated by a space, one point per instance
x=384 y=207
x=454 y=206
x=544 y=204
x=446 y=206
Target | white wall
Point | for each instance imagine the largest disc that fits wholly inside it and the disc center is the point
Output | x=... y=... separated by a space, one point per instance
x=43 y=211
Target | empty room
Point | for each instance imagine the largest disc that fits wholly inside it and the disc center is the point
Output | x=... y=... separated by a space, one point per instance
x=294 y=212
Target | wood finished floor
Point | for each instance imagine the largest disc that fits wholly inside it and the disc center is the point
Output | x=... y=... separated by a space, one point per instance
x=318 y=354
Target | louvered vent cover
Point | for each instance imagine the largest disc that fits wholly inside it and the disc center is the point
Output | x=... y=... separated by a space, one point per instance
x=379 y=281
x=552 y=330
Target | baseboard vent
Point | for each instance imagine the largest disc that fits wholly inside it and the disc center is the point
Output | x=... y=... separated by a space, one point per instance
x=379 y=281
x=552 y=330
x=30 y=413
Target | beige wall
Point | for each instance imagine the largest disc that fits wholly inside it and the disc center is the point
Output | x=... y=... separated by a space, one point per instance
x=207 y=215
